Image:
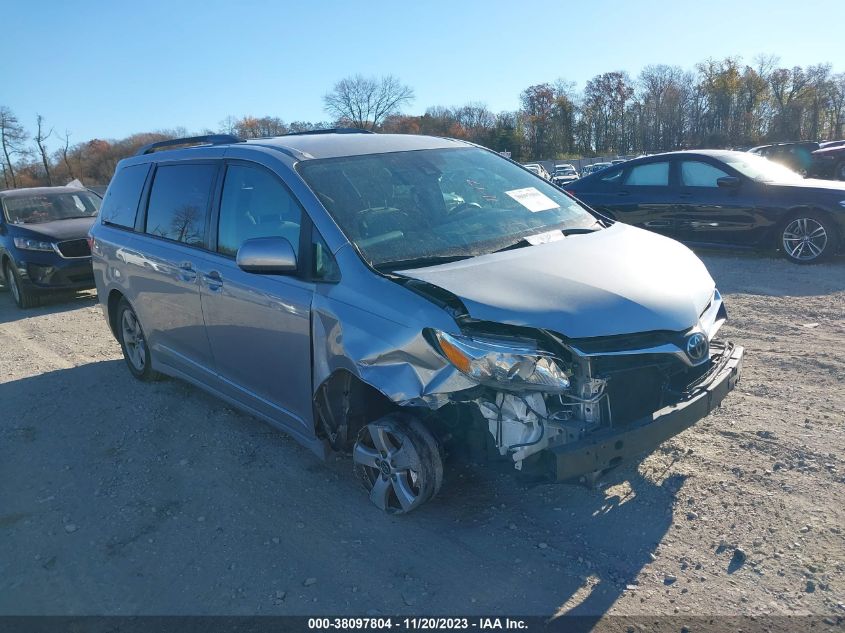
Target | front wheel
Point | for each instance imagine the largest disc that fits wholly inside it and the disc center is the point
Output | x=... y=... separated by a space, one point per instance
x=136 y=352
x=23 y=297
x=399 y=462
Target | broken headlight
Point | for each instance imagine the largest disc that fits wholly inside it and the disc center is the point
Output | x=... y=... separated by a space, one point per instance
x=513 y=365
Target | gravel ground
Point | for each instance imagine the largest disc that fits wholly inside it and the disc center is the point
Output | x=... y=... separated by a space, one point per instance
x=118 y=497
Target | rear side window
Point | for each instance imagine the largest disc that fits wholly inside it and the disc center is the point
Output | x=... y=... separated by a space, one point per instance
x=650 y=175
x=178 y=206
x=612 y=175
x=121 y=202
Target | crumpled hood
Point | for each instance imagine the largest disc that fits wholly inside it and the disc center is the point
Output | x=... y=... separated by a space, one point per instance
x=620 y=280
x=59 y=230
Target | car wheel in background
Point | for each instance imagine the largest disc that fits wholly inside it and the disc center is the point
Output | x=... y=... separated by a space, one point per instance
x=23 y=298
x=808 y=238
x=399 y=462
x=136 y=352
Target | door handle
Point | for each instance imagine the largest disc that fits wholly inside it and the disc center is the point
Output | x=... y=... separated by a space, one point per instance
x=187 y=272
x=213 y=280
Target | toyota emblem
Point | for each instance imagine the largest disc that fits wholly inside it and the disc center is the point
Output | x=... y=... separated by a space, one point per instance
x=697 y=347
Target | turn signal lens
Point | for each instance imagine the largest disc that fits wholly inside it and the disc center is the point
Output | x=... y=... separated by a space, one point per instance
x=454 y=354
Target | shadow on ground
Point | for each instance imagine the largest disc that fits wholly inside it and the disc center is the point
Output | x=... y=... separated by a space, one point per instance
x=124 y=498
x=51 y=304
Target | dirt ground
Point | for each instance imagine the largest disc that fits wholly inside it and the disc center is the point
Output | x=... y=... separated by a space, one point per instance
x=118 y=497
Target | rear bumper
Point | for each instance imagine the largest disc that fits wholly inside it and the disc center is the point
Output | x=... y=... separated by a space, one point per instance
x=604 y=450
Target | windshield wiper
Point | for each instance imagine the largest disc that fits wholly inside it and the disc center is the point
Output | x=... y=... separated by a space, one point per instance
x=420 y=262
x=522 y=242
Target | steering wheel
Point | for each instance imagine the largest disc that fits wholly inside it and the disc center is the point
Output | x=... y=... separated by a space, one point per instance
x=464 y=207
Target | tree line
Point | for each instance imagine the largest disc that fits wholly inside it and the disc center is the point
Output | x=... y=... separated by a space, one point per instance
x=721 y=103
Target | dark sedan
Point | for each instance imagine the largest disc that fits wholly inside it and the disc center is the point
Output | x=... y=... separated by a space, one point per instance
x=722 y=198
x=829 y=162
x=43 y=241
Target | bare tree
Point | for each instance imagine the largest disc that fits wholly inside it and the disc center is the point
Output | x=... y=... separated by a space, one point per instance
x=65 y=151
x=40 y=138
x=365 y=101
x=12 y=137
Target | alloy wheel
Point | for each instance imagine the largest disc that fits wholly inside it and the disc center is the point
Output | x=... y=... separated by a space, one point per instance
x=395 y=465
x=133 y=340
x=805 y=239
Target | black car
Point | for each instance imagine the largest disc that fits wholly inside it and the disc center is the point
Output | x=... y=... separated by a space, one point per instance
x=829 y=161
x=722 y=198
x=798 y=156
x=44 y=241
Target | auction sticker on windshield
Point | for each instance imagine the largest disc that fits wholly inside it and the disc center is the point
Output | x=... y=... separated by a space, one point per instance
x=532 y=199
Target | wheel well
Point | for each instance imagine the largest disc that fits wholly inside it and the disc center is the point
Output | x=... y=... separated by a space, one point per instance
x=114 y=300
x=348 y=403
x=344 y=403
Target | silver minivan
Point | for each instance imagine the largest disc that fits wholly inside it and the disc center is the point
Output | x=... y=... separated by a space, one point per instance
x=405 y=299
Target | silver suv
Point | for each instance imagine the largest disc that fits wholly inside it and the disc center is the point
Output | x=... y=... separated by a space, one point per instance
x=404 y=297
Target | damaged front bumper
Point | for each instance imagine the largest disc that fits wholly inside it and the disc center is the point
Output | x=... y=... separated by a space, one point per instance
x=605 y=449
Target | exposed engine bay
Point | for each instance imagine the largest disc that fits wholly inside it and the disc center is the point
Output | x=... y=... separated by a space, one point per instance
x=586 y=386
x=525 y=424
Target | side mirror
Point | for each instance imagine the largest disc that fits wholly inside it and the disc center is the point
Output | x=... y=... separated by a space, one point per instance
x=728 y=182
x=267 y=255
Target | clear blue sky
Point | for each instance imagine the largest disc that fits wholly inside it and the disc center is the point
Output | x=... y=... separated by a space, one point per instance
x=109 y=69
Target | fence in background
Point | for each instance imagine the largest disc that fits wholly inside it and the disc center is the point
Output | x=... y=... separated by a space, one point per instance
x=579 y=163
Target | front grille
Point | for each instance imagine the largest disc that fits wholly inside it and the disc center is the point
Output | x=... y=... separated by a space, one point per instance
x=640 y=384
x=74 y=248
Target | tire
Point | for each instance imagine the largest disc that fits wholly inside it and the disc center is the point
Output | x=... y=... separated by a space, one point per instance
x=808 y=237
x=23 y=297
x=133 y=343
x=399 y=462
x=423 y=434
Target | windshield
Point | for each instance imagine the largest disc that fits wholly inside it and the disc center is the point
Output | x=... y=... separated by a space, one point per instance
x=48 y=207
x=760 y=169
x=421 y=206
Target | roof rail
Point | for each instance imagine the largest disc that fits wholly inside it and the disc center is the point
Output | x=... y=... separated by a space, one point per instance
x=207 y=139
x=332 y=130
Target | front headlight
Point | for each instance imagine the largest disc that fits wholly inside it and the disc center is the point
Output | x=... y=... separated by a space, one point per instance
x=28 y=244
x=516 y=366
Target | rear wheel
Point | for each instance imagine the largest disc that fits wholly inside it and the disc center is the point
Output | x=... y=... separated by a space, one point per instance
x=133 y=342
x=399 y=462
x=808 y=238
x=23 y=297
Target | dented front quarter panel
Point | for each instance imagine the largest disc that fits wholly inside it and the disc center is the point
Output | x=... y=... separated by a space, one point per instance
x=373 y=328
